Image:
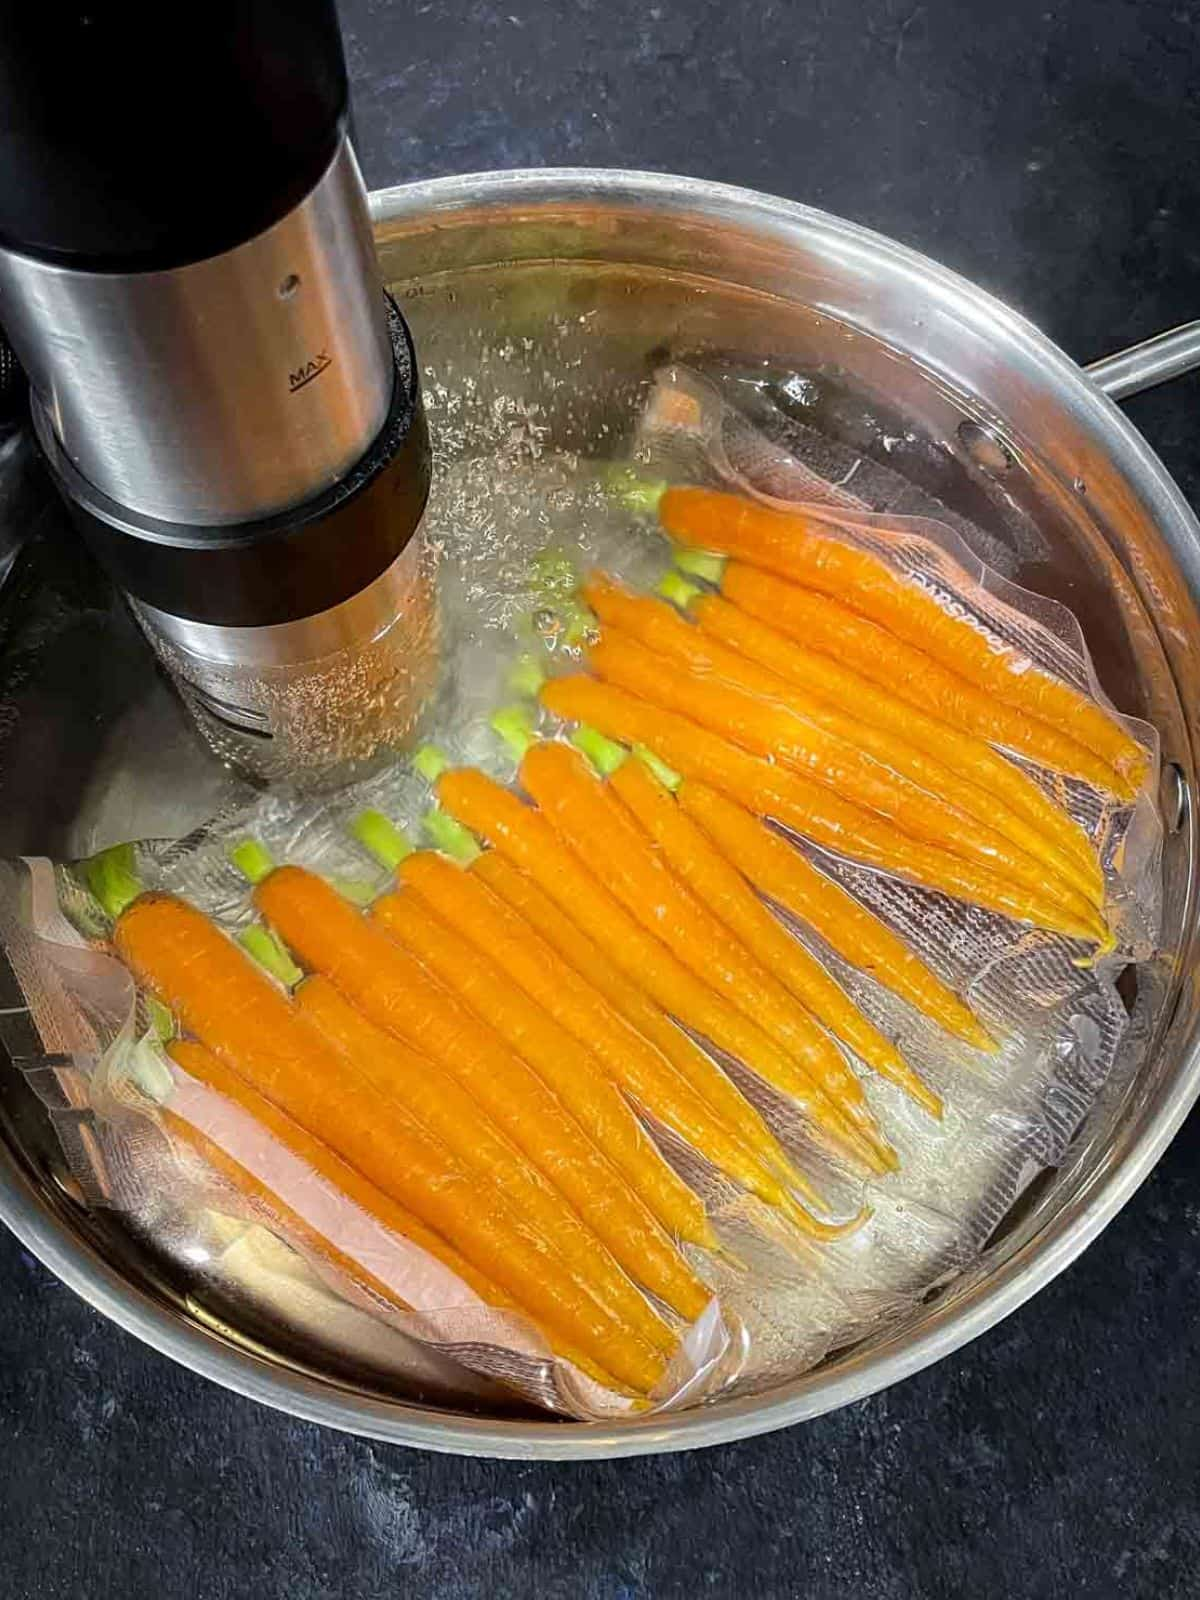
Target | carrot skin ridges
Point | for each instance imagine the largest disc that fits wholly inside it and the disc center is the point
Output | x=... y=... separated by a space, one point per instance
x=202 y=1065
x=567 y=938
x=445 y=1111
x=465 y=902
x=820 y=622
x=699 y=864
x=779 y=871
x=653 y=1198
x=802 y=549
x=984 y=778
x=582 y=810
x=491 y=811
x=772 y=731
x=807 y=807
x=219 y=995
x=383 y=980
x=732 y=645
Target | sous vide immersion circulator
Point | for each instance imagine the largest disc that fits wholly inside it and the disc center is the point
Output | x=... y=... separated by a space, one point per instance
x=224 y=395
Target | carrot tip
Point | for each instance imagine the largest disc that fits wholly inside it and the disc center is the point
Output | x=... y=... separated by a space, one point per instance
x=827 y=1232
x=792 y=1178
x=729 y=1258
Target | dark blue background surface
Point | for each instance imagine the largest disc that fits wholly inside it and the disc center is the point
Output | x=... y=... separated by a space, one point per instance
x=1051 y=154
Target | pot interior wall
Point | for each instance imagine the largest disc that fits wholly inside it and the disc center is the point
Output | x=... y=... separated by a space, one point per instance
x=568 y=309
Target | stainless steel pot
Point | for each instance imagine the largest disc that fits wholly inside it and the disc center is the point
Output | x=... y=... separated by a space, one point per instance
x=601 y=272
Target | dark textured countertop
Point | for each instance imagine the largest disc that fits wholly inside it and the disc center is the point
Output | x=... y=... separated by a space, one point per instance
x=1051 y=154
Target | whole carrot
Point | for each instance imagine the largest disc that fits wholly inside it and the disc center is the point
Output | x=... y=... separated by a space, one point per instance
x=395 y=991
x=527 y=839
x=582 y=810
x=802 y=549
x=252 y=1027
x=570 y=1071
x=780 y=872
x=701 y=866
x=465 y=902
x=809 y=808
x=733 y=645
x=444 y=1109
x=770 y=729
x=564 y=935
x=820 y=623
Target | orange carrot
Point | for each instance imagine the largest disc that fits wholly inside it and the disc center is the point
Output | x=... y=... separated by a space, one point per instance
x=198 y=1061
x=528 y=840
x=809 y=808
x=464 y=901
x=220 y=995
x=779 y=871
x=732 y=645
x=698 y=864
x=820 y=623
x=804 y=550
x=560 y=932
x=1018 y=807
x=444 y=1109
x=583 y=810
x=770 y=729
x=570 y=1072
x=395 y=991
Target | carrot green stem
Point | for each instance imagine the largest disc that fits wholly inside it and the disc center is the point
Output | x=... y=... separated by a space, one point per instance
x=356 y=889
x=633 y=492
x=667 y=776
x=381 y=838
x=161 y=1017
x=431 y=762
x=552 y=573
x=700 y=563
x=111 y=878
x=606 y=755
x=580 y=621
x=525 y=676
x=252 y=859
x=514 y=724
x=271 y=954
x=450 y=836
x=678 y=590
x=147 y=1067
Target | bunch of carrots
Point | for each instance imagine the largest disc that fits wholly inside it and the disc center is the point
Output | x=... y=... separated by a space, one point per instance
x=470 y=1057
x=822 y=689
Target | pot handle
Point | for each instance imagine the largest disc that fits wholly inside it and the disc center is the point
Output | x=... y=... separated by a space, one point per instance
x=1167 y=355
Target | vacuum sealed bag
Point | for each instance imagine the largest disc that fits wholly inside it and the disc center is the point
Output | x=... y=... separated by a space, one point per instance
x=736 y=949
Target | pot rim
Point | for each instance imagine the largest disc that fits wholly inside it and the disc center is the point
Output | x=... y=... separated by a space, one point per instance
x=1061 y=1238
